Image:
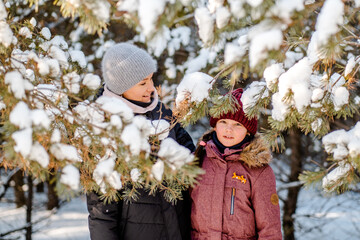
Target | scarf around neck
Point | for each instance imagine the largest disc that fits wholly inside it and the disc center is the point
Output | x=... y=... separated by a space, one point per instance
x=136 y=108
x=239 y=146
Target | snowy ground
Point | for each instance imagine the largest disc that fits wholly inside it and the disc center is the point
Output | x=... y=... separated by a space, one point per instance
x=318 y=217
x=69 y=222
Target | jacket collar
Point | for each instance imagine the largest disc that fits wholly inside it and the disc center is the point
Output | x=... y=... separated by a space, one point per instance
x=254 y=155
x=136 y=108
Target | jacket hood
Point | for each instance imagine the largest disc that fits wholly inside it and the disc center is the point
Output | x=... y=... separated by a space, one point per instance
x=256 y=154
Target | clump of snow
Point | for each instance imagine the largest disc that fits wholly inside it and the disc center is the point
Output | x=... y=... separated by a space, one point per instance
x=143 y=124
x=23 y=141
x=58 y=54
x=3 y=12
x=316 y=124
x=51 y=93
x=234 y=52
x=252 y=95
x=39 y=154
x=339 y=94
x=116 y=106
x=280 y=108
x=20 y=115
x=46 y=33
x=336 y=174
x=170 y=68
x=254 y=3
x=89 y=112
x=213 y=5
x=179 y=35
x=262 y=42
x=63 y=151
x=57 y=40
x=194 y=86
x=317 y=94
x=222 y=17
x=115 y=121
x=284 y=8
x=92 y=81
x=176 y=155
x=343 y=145
x=72 y=82
x=296 y=80
x=135 y=174
x=2 y=105
x=237 y=9
x=195 y=64
x=40 y=118
x=25 y=31
x=157 y=169
x=104 y=172
x=79 y=57
x=148 y=12
x=161 y=127
x=205 y=23
x=127 y=5
x=70 y=176
x=349 y=66
x=55 y=136
x=329 y=20
x=6 y=34
x=18 y=85
x=132 y=137
x=159 y=41
x=272 y=73
x=314 y=52
x=292 y=57
x=33 y=22
x=340 y=97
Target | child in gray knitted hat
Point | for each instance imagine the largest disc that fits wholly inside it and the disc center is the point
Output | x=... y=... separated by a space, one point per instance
x=127 y=72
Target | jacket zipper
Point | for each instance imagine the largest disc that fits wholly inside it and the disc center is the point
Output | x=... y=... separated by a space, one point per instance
x=232 y=201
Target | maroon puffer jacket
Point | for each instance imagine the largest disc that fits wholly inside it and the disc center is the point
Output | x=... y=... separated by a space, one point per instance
x=236 y=197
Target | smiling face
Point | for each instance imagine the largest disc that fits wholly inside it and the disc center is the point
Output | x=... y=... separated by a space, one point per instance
x=142 y=91
x=230 y=132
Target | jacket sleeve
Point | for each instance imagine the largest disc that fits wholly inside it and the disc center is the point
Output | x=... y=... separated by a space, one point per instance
x=266 y=206
x=183 y=137
x=103 y=218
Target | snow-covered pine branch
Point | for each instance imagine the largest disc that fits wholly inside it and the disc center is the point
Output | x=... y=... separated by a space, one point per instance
x=51 y=121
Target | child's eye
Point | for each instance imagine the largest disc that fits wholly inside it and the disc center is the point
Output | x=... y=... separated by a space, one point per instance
x=142 y=83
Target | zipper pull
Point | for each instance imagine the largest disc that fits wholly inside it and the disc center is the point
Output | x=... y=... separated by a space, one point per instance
x=232 y=201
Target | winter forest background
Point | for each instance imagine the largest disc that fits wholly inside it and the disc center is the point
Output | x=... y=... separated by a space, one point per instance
x=297 y=60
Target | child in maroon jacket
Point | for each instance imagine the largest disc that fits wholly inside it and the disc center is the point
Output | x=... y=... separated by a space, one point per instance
x=236 y=197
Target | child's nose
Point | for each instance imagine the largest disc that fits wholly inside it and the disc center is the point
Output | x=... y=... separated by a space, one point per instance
x=150 y=88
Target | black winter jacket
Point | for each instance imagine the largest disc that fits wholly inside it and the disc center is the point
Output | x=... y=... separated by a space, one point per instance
x=150 y=217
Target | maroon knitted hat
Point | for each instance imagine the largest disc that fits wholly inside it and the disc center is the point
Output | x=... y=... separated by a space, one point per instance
x=239 y=115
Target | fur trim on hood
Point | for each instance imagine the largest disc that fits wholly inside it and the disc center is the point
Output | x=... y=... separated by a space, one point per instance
x=256 y=154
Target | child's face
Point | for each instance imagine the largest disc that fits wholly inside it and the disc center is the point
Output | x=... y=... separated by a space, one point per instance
x=230 y=132
x=141 y=91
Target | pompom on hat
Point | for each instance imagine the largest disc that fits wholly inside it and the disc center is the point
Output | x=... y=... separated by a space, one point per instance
x=239 y=115
x=124 y=65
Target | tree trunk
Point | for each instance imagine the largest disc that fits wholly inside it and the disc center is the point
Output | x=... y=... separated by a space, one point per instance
x=290 y=203
x=40 y=187
x=18 y=178
x=29 y=205
x=53 y=200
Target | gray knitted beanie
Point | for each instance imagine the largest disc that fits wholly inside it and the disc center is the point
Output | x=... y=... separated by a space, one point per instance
x=125 y=65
